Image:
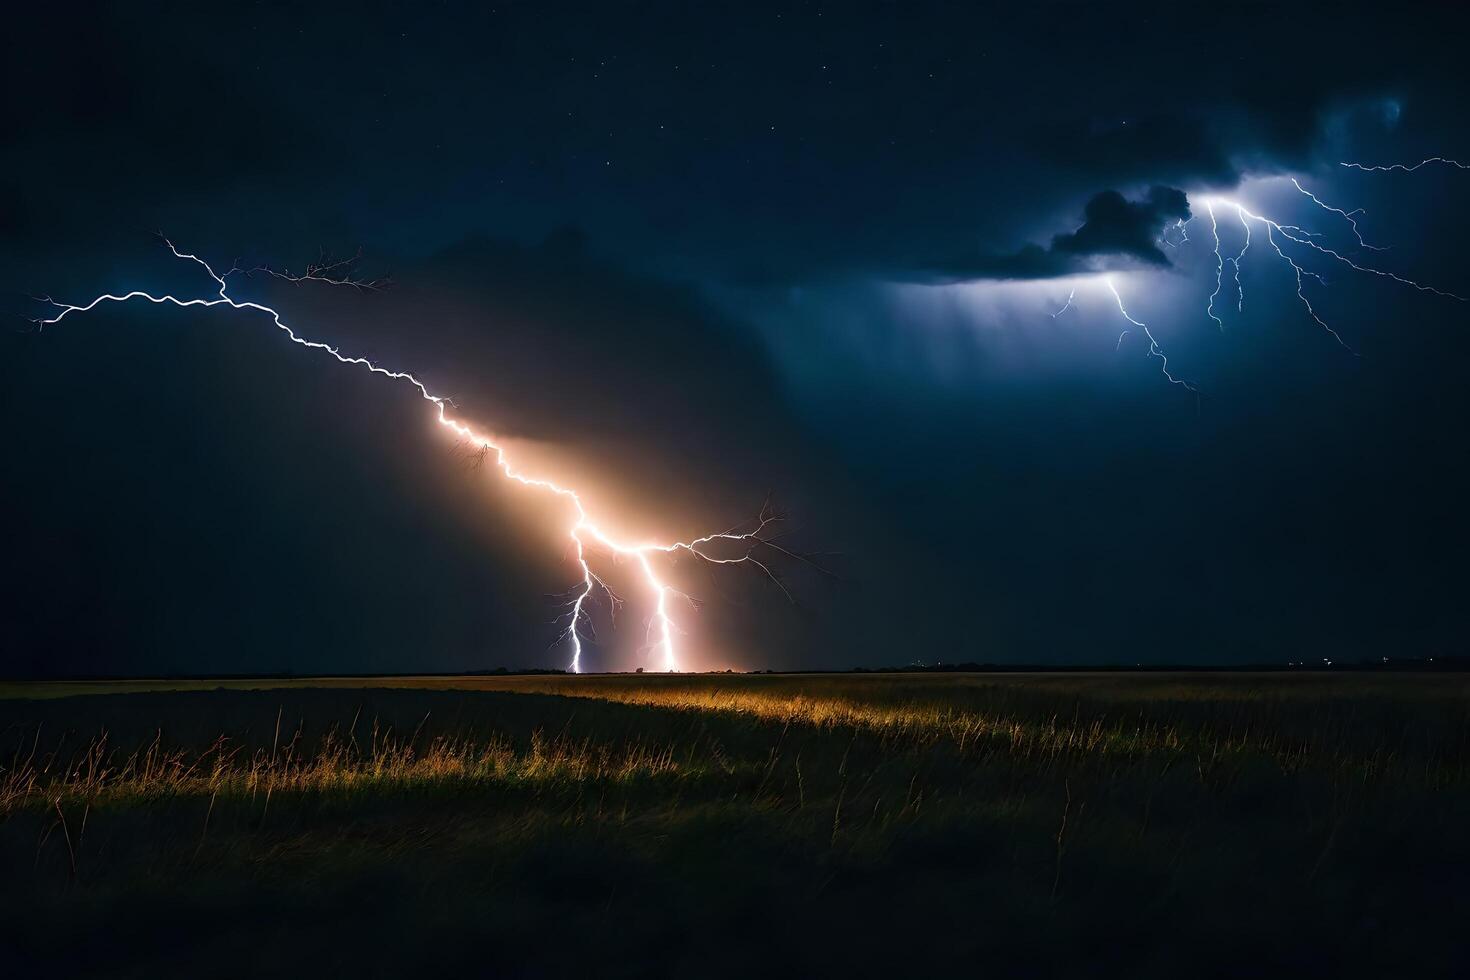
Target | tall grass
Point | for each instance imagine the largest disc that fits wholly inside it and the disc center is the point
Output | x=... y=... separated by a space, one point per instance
x=387 y=763
x=1032 y=824
x=1367 y=733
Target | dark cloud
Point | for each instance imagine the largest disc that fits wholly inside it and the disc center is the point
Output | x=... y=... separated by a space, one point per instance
x=1116 y=226
x=1113 y=228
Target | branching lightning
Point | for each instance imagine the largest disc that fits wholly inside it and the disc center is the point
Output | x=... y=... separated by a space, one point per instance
x=1279 y=235
x=1180 y=225
x=744 y=545
x=1154 y=349
x=1296 y=246
x=1351 y=217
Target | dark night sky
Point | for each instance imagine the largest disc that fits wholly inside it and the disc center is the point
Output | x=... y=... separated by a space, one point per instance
x=688 y=256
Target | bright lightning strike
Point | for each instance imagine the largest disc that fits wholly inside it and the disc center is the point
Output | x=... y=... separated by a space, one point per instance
x=1278 y=234
x=1407 y=168
x=584 y=530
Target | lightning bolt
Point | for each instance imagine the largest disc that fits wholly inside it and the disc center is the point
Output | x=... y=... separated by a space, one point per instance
x=1180 y=225
x=1066 y=306
x=584 y=530
x=1278 y=233
x=1219 y=267
x=1154 y=349
x=1349 y=216
x=1235 y=264
x=1407 y=168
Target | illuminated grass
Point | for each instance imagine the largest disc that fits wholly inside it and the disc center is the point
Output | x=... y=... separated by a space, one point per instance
x=388 y=764
x=1235 y=728
x=633 y=811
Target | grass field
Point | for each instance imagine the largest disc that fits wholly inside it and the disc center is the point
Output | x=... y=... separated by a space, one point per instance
x=722 y=825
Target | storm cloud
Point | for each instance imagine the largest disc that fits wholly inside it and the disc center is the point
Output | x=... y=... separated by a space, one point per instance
x=1114 y=231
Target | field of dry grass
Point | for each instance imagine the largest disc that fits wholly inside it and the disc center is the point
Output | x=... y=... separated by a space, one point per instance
x=1139 y=824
